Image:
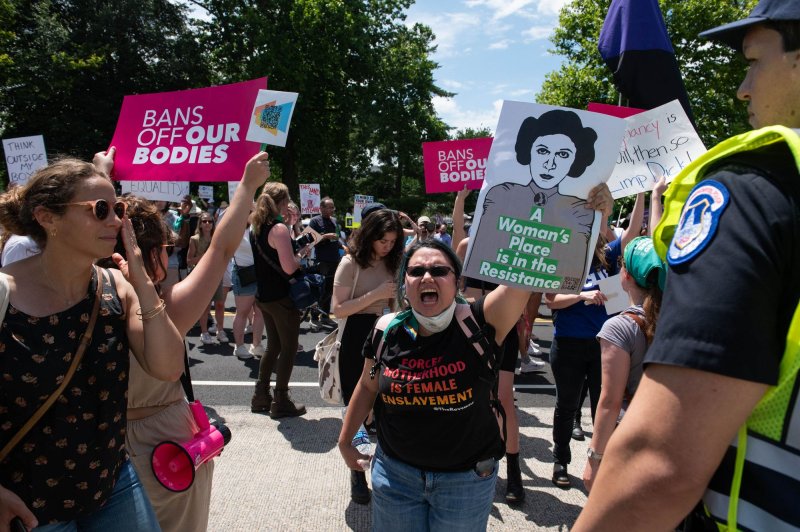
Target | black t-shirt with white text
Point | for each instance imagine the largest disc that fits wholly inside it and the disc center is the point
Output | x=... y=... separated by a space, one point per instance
x=433 y=406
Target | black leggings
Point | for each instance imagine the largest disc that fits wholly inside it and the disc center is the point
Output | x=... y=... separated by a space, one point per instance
x=351 y=362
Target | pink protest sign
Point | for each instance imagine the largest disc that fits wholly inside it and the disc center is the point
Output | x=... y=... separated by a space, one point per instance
x=191 y=135
x=451 y=164
x=613 y=110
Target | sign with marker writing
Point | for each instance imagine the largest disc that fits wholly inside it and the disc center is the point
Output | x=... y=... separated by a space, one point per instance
x=309 y=198
x=533 y=229
x=24 y=155
x=359 y=202
x=157 y=190
x=659 y=142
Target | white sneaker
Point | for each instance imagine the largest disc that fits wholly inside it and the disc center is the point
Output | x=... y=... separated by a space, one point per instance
x=222 y=337
x=531 y=365
x=242 y=352
x=248 y=329
x=257 y=351
x=533 y=349
x=534 y=344
x=212 y=329
x=206 y=338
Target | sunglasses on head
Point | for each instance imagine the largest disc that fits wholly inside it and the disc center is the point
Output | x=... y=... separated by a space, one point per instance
x=170 y=248
x=435 y=271
x=102 y=209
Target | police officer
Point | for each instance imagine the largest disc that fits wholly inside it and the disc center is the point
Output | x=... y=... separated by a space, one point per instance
x=717 y=416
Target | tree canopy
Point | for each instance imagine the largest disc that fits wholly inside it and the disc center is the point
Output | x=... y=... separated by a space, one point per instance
x=711 y=72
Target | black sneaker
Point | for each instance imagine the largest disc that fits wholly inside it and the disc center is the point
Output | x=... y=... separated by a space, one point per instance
x=560 y=476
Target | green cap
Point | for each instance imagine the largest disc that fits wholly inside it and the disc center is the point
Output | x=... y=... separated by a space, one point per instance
x=641 y=259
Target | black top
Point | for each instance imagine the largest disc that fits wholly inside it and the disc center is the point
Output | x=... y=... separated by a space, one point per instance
x=326 y=250
x=433 y=410
x=728 y=309
x=66 y=466
x=272 y=284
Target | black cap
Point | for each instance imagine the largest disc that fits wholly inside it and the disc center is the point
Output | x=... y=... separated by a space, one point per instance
x=733 y=34
x=370 y=208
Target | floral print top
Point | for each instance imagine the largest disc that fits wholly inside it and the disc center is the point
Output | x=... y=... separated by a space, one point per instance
x=66 y=466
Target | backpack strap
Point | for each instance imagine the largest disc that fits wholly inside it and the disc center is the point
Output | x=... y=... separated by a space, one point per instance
x=636 y=318
x=381 y=328
x=488 y=354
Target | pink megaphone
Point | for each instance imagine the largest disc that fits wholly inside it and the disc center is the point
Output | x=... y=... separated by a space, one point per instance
x=174 y=464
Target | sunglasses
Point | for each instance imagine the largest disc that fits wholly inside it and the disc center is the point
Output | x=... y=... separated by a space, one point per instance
x=102 y=209
x=435 y=271
x=170 y=249
x=206 y=221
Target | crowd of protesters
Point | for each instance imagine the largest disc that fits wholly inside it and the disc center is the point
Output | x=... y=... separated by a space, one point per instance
x=100 y=291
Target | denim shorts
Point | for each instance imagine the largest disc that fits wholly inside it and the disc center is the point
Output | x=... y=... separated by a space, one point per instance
x=238 y=289
x=408 y=499
x=127 y=509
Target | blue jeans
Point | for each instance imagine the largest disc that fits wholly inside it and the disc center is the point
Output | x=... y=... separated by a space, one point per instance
x=408 y=499
x=126 y=510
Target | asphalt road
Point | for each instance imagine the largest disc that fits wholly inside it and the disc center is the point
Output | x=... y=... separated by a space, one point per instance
x=220 y=378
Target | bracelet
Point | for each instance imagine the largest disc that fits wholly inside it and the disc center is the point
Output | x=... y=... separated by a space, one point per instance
x=150 y=314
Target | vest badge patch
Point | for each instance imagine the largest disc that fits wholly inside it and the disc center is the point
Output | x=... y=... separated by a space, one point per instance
x=698 y=222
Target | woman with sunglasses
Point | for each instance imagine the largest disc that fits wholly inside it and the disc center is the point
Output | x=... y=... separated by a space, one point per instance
x=363 y=290
x=435 y=464
x=72 y=468
x=157 y=410
x=198 y=245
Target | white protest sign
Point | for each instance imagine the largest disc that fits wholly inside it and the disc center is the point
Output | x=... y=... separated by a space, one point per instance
x=24 y=155
x=659 y=142
x=532 y=229
x=617 y=297
x=232 y=185
x=272 y=113
x=206 y=191
x=359 y=202
x=157 y=190
x=309 y=198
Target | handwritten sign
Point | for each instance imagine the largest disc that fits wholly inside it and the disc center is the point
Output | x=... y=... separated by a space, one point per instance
x=271 y=116
x=190 y=135
x=451 y=164
x=309 y=198
x=359 y=202
x=206 y=191
x=659 y=142
x=532 y=229
x=232 y=186
x=157 y=190
x=24 y=155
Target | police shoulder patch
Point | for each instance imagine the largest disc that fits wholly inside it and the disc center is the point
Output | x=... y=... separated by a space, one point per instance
x=698 y=222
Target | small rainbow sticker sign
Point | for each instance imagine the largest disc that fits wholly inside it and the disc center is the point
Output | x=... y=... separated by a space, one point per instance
x=271 y=116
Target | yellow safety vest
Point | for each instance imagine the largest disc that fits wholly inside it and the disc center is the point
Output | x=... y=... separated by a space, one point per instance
x=768 y=444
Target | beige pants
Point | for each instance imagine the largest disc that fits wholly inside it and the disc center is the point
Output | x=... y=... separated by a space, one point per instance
x=176 y=512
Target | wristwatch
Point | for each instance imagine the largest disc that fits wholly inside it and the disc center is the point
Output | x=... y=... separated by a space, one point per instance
x=594 y=455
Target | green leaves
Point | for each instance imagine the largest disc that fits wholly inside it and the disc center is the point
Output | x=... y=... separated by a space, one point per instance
x=711 y=72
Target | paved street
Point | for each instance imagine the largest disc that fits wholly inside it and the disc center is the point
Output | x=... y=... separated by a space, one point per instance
x=288 y=475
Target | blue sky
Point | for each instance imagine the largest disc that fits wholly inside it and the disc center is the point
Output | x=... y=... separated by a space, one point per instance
x=488 y=51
